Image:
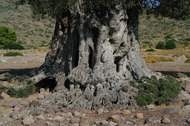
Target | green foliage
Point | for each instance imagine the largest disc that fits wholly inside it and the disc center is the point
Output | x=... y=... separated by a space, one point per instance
x=13 y=54
x=157 y=91
x=7 y=36
x=150 y=50
x=175 y=9
x=21 y=93
x=160 y=45
x=170 y=44
x=8 y=39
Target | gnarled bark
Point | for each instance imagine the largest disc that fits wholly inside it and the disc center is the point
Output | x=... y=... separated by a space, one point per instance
x=93 y=59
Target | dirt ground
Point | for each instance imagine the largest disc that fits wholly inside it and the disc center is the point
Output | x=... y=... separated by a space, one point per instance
x=32 y=61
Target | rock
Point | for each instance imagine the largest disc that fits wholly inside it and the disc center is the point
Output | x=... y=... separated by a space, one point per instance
x=16 y=116
x=13 y=103
x=27 y=121
x=126 y=112
x=74 y=124
x=183 y=95
x=84 y=122
x=129 y=123
x=62 y=124
x=165 y=120
x=171 y=110
x=150 y=107
x=112 y=124
x=25 y=103
x=5 y=119
x=139 y=115
x=37 y=111
x=34 y=103
x=186 y=86
x=50 y=109
x=75 y=120
x=100 y=111
x=41 y=96
x=41 y=116
x=16 y=109
x=49 y=124
x=5 y=96
x=58 y=119
x=154 y=120
x=67 y=115
x=186 y=108
x=76 y=113
x=116 y=118
x=4 y=61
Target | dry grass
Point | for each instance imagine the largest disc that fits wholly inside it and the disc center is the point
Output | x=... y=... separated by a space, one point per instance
x=173 y=52
x=156 y=59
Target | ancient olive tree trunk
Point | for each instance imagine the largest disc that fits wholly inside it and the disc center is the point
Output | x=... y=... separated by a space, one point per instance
x=93 y=59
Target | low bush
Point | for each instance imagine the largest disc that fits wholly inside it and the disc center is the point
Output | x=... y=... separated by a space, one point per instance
x=170 y=44
x=156 y=91
x=21 y=93
x=150 y=50
x=13 y=54
x=160 y=45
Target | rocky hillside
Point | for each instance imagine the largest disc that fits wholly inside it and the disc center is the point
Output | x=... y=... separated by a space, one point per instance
x=152 y=30
x=30 y=32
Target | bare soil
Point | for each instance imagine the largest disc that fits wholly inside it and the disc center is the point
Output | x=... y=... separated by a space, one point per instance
x=32 y=61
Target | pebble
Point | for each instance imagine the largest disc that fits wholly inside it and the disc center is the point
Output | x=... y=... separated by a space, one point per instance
x=84 y=122
x=165 y=120
x=100 y=111
x=75 y=120
x=27 y=121
x=76 y=113
x=41 y=116
x=36 y=112
x=116 y=118
x=150 y=107
x=74 y=124
x=126 y=112
x=67 y=115
x=58 y=119
x=171 y=110
x=139 y=115
x=49 y=124
x=188 y=121
x=112 y=124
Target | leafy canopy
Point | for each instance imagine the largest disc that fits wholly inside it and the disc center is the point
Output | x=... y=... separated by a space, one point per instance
x=178 y=9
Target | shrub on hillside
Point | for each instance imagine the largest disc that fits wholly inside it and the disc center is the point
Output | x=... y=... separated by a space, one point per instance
x=157 y=91
x=13 y=54
x=8 y=39
x=160 y=45
x=170 y=44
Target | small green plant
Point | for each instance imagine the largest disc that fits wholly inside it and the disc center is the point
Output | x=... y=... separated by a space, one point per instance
x=150 y=50
x=13 y=54
x=157 y=91
x=160 y=45
x=21 y=93
x=170 y=44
